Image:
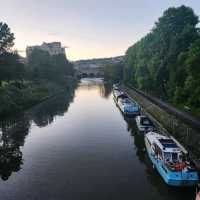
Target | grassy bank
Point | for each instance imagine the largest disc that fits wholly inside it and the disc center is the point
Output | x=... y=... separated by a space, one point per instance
x=19 y=96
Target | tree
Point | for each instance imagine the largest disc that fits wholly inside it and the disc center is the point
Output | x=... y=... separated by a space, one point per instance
x=42 y=65
x=10 y=67
x=113 y=72
x=6 y=38
x=166 y=61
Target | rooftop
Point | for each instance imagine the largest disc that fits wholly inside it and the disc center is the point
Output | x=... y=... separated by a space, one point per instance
x=168 y=143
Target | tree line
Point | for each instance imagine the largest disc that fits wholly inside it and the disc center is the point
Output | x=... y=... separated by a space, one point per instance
x=166 y=62
x=40 y=65
x=24 y=84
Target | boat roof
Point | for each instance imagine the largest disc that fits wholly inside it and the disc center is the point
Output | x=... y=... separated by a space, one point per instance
x=168 y=143
x=123 y=95
x=118 y=92
x=165 y=143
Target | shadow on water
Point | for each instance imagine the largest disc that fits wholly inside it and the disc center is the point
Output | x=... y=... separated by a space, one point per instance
x=13 y=131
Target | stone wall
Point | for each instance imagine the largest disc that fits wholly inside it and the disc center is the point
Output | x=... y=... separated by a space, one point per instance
x=168 y=123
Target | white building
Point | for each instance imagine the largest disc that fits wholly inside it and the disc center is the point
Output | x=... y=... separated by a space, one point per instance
x=53 y=48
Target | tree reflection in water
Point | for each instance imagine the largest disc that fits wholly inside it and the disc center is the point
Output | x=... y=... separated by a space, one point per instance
x=105 y=90
x=44 y=114
x=13 y=131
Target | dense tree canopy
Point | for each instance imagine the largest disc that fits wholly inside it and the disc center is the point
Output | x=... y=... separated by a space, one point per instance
x=23 y=84
x=6 y=38
x=43 y=65
x=167 y=60
x=10 y=66
x=113 y=72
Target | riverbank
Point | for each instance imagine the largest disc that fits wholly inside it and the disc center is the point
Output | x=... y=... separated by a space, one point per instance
x=182 y=131
x=68 y=141
x=19 y=96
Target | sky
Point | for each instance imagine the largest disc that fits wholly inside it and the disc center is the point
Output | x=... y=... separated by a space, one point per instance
x=88 y=28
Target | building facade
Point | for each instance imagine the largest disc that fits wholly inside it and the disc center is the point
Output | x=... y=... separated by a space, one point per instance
x=53 y=48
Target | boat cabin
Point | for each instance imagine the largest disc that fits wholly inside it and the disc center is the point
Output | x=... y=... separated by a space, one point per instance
x=169 y=158
x=167 y=150
x=145 y=121
x=122 y=96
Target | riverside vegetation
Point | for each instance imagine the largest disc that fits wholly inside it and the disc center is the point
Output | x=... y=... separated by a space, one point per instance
x=24 y=85
x=166 y=62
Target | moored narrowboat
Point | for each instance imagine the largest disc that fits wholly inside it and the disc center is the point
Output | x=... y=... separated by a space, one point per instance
x=170 y=160
x=144 y=124
x=127 y=106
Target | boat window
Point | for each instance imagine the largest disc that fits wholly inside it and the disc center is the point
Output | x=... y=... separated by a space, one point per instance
x=145 y=121
x=181 y=157
x=174 y=157
x=158 y=151
x=127 y=101
x=167 y=156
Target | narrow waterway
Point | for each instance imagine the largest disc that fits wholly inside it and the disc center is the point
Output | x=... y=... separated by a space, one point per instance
x=78 y=147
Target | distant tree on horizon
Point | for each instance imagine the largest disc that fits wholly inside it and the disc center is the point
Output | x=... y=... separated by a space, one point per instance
x=6 y=38
x=10 y=66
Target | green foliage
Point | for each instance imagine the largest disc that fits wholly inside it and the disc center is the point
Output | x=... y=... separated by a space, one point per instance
x=191 y=85
x=14 y=98
x=166 y=61
x=6 y=38
x=41 y=65
x=10 y=67
x=24 y=86
x=113 y=72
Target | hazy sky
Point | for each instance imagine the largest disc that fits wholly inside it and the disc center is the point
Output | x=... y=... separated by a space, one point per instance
x=90 y=28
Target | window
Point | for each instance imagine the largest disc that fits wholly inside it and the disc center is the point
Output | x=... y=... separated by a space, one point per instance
x=167 y=156
x=174 y=157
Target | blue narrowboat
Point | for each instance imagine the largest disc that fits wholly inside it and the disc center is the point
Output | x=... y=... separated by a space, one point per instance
x=127 y=106
x=170 y=160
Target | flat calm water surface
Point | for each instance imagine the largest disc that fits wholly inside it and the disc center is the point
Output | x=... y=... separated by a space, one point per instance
x=78 y=147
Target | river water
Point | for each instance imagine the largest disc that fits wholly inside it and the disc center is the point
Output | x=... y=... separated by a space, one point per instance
x=79 y=147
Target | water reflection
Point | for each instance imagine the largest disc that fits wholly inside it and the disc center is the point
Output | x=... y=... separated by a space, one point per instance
x=44 y=114
x=13 y=135
x=93 y=137
x=14 y=131
x=105 y=90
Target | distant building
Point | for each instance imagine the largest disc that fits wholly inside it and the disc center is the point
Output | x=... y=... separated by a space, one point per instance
x=53 y=48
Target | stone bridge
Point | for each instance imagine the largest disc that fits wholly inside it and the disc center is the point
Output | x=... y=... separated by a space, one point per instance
x=89 y=72
x=94 y=67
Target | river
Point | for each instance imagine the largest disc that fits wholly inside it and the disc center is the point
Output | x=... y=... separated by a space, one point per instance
x=78 y=147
